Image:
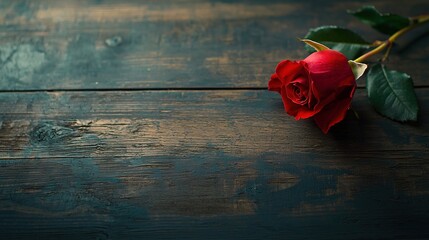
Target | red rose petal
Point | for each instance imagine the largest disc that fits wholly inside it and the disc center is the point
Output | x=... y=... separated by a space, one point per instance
x=297 y=91
x=335 y=111
x=296 y=110
x=287 y=70
x=329 y=70
x=274 y=84
x=290 y=107
x=322 y=85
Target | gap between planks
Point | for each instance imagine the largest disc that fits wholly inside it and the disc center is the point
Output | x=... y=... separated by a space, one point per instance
x=153 y=89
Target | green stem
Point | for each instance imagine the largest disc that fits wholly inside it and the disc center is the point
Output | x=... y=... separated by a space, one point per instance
x=416 y=21
x=386 y=54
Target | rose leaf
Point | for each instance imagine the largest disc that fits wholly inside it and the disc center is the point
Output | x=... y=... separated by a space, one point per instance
x=340 y=39
x=392 y=93
x=385 y=23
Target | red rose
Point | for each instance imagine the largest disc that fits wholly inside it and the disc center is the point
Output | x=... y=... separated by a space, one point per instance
x=320 y=86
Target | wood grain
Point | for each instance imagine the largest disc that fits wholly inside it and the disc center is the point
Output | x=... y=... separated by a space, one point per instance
x=236 y=120
x=206 y=164
x=171 y=44
x=147 y=120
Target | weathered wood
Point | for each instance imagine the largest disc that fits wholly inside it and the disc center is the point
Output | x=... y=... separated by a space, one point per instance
x=194 y=164
x=168 y=121
x=170 y=44
x=206 y=165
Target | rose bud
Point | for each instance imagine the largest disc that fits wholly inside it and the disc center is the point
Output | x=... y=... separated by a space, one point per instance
x=320 y=86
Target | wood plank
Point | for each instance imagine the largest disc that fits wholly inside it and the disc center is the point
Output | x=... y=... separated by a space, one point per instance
x=206 y=165
x=170 y=44
x=231 y=118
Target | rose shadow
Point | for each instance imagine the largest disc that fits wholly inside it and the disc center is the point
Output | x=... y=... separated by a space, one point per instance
x=351 y=134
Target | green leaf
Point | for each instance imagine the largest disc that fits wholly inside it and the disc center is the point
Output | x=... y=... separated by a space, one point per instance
x=386 y=23
x=343 y=40
x=392 y=93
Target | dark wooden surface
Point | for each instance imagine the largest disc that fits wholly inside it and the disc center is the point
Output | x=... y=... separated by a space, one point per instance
x=149 y=120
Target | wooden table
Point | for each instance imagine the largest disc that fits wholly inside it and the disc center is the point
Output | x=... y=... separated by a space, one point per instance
x=151 y=120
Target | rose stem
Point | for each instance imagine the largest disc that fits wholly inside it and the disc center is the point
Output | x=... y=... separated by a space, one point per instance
x=386 y=54
x=416 y=21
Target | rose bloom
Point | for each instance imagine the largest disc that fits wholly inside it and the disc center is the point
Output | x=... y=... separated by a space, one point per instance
x=320 y=86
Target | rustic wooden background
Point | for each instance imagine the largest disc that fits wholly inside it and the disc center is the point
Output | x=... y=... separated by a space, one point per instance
x=151 y=120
